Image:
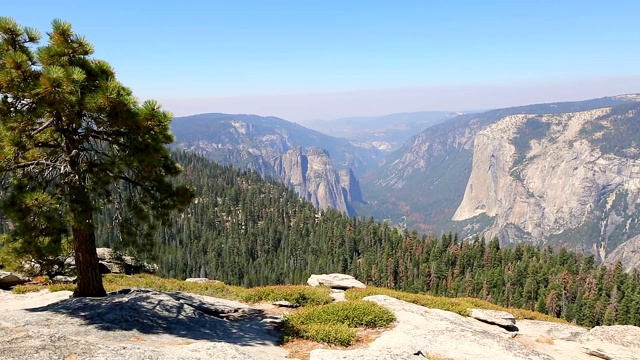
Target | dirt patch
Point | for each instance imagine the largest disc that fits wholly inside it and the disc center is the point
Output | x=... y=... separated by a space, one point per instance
x=301 y=349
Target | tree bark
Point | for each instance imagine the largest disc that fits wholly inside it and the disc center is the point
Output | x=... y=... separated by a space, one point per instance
x=89 y=278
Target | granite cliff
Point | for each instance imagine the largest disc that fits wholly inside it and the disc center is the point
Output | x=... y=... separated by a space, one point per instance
x=313 y=177
x=569 y=179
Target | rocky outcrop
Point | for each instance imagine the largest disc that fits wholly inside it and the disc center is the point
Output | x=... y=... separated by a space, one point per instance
x=628 y=253
x=500 y=318
x=613 y=342
x=112 y=262
x=350 y=186
x=8 y=280
x=312 y=176
x=148 y=324
x=545 y=179
x=335 y=281
x=138 y=324
x=421 y=332
x=251 y=141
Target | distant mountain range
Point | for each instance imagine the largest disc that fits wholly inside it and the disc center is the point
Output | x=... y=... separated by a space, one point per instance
x=312 y=163
x=559 y=174
x=387 y=132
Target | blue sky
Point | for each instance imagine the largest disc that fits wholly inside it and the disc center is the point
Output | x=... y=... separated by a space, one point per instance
x=307 y=60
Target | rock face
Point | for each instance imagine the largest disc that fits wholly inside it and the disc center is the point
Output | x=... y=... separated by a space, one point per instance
x=628 y=253
x=500 y=318
x=312 y=176
x=350 y=185
x=335 y=281
x=548 y=179
x=8 y=280
x=431 y=332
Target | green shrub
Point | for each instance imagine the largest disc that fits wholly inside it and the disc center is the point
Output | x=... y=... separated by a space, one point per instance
x=337 y=334
x=295 y=294
x=356 y=313
x=333 y=323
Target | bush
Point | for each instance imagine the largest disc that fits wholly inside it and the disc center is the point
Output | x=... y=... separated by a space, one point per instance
x=356 y=313
x=295 y=294
x=336 y=334
x=334 y=323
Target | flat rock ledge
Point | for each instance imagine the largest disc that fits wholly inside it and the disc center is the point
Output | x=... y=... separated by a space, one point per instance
x=500 y=318
x=136 y=324
x=335 y=281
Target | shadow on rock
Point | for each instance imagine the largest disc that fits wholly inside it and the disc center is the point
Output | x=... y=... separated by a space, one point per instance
x=153 y=312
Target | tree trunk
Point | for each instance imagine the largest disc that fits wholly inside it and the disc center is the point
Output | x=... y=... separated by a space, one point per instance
x=89 y=278
x=84 y=237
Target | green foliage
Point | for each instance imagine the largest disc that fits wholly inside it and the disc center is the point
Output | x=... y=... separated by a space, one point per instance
x=532 y=129
x=357 y=313
x=618 y=131
x=333 y=323
x=336 y=334
x=248 y=232
x=23 y=289
x=74 y=139
x=302 y=295
x=295 y=294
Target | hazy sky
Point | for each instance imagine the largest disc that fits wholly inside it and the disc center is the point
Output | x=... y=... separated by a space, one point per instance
x=305 y=60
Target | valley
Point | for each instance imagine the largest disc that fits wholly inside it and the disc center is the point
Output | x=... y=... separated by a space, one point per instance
x=427 y=171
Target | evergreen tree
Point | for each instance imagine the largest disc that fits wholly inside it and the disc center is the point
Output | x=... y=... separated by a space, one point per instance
x=72 y=138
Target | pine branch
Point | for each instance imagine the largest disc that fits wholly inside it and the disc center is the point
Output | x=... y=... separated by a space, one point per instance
x=43 y=127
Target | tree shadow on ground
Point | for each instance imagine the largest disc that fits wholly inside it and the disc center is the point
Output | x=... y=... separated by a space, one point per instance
x=156 y=313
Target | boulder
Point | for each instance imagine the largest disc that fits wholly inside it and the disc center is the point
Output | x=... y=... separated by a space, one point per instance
x=500 y=318
x=612 y=342
x=64 y=279
x=286 y=304
x=114 y=263
x=338 y=295
x=424 y=332
x=8 y=279
x=202 y=280
x=335 y=281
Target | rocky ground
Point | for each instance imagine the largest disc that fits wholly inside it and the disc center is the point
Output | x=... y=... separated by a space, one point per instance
x=146 y=324
x=140 y=324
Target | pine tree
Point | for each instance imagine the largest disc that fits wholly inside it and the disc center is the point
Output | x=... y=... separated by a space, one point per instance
x=72 y=138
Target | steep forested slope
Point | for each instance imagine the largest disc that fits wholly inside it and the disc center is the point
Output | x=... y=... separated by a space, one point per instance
x=243 y=230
